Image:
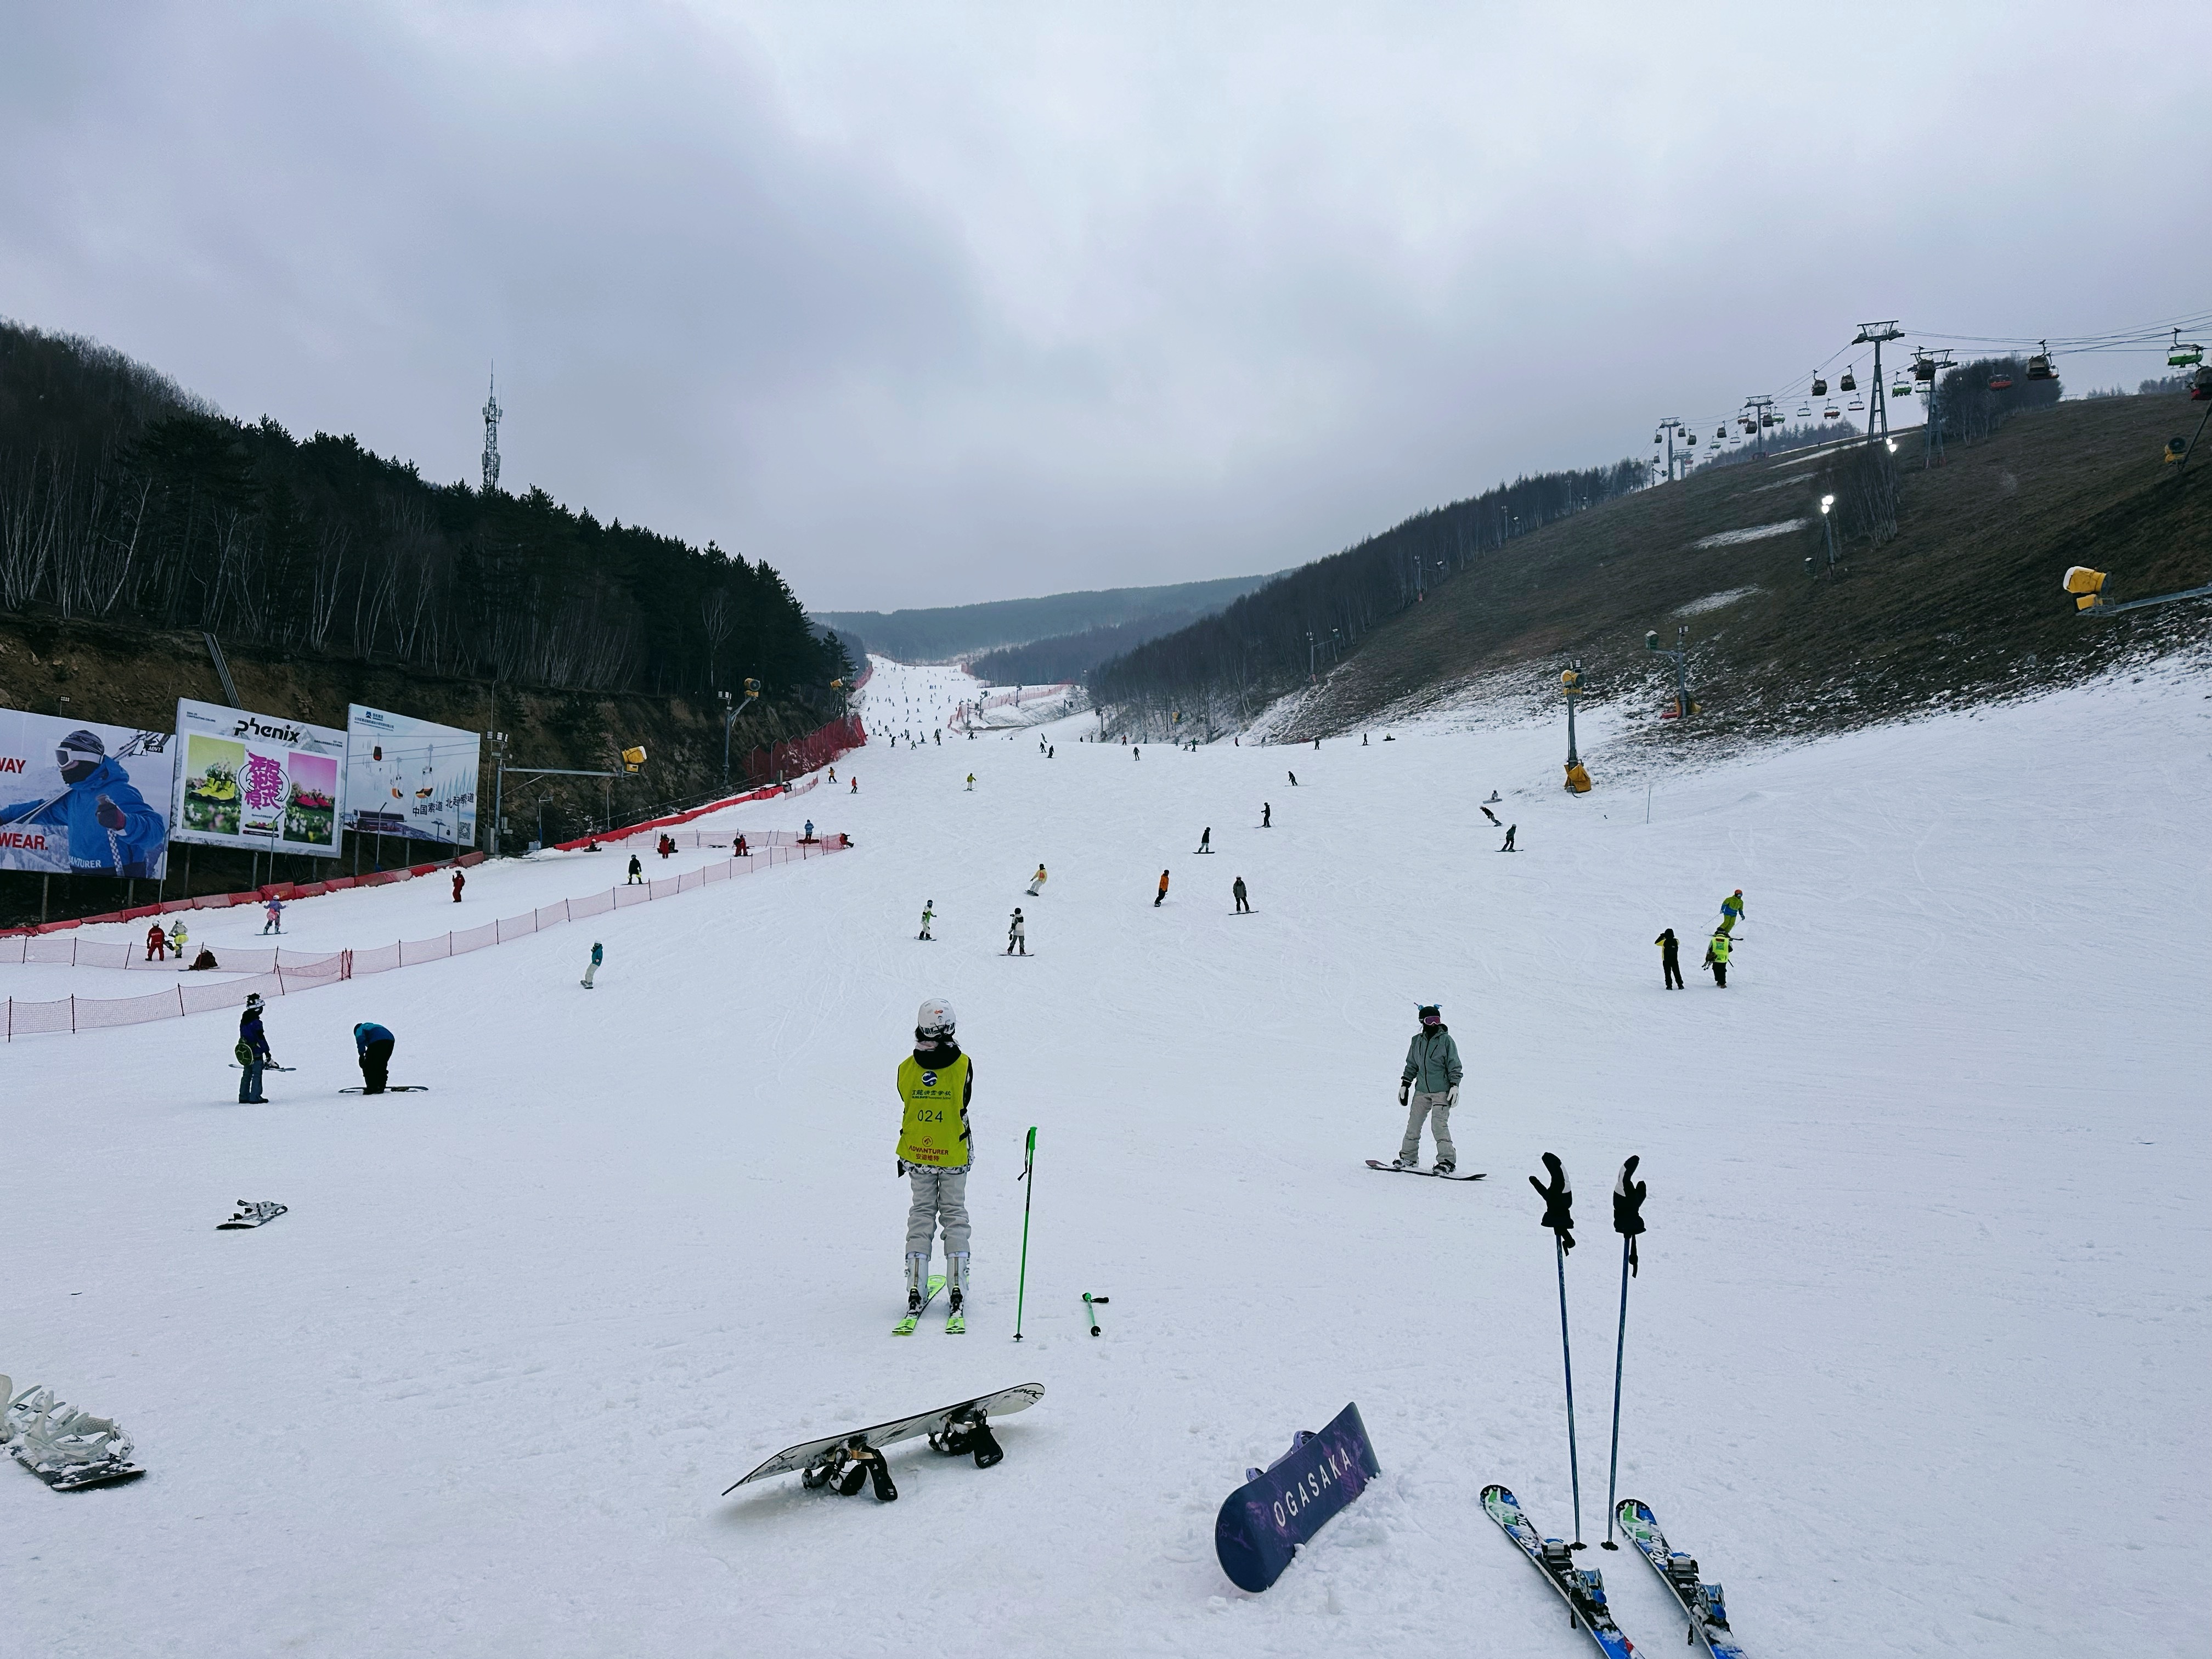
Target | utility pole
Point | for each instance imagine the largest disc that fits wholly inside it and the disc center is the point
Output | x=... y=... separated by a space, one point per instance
x=1759 y=408
x=1873 y=334
x=1310 y=659
x=1670 y=426
x=492 y=411
x=1679 y=654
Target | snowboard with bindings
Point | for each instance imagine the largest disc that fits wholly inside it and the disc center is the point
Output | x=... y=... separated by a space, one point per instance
x=1701 y=1601
x=1399 y=1169
x=1262 y=1524
x=905 y=1327
x=954 y=1430
x=1582 y=1589
x=391 y=1089
x=251 y=1214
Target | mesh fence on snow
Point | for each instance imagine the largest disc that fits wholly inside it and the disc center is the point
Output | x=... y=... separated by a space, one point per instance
x=275 y=973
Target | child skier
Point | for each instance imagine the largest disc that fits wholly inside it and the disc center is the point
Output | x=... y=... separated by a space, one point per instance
x=253 y=1052
x=928 y=915
x=275 y=909
x=1036 y=881
x=1433 y=1064
x=1016 y=935
x=1717 y=958
x=935 y=1083
x=177 y=935
x=636 y=871
x=459 y=882
x=598 y=955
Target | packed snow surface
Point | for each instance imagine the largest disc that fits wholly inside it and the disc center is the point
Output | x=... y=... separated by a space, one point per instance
x=1917 y=1362
x=1756 y=533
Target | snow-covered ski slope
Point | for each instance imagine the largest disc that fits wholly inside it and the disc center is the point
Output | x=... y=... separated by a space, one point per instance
x=1918 y=1363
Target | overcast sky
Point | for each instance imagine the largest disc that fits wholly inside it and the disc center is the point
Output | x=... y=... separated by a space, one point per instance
x=927 y=304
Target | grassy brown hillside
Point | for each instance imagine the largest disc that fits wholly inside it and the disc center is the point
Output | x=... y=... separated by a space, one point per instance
x=1961 y=602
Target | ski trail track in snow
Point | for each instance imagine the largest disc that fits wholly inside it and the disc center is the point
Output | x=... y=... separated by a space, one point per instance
x=1917 y=1362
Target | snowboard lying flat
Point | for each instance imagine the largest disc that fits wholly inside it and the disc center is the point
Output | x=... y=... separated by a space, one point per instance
x=1392 y=1168
x=250 y=1215
x=391 y=1089
x=82 y=1479
x=792 y=1459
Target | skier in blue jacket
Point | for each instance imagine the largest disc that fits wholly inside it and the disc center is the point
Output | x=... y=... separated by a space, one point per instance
x=375 y=1044
x=106 y=822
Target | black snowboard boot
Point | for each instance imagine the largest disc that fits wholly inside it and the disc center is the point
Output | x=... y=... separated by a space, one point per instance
x=879 y=1473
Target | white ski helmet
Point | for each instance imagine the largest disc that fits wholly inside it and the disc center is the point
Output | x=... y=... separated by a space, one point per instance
x=934 y=1019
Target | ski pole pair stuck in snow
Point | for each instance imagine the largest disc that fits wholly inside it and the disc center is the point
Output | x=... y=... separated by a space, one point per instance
x=1628 y=1221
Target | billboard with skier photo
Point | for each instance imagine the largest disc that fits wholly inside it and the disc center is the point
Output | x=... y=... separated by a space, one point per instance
x=257 y=781
x=409 y=777
x=78 y=797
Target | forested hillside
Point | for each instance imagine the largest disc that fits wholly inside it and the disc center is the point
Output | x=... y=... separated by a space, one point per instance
x=124 y=498
x=944 y=633
x=1224 y=668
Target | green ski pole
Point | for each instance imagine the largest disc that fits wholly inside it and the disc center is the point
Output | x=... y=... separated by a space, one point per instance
x=1021 y=1287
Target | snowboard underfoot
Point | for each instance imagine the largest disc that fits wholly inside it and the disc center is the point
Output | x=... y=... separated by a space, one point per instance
x=65 y=1481
x=1392 y=1169
x=391 y=1089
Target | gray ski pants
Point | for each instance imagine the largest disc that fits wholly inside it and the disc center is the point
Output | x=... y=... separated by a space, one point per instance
x=938 y=1195
x=1432 y=1109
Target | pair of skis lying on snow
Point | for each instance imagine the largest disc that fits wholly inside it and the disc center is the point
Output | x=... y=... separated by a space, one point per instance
x=1582 y=1589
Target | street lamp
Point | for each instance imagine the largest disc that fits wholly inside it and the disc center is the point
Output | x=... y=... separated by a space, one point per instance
x=1828 y=528
x=1679 y=654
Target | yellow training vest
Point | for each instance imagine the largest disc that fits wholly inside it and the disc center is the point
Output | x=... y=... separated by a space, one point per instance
x=934 y=1128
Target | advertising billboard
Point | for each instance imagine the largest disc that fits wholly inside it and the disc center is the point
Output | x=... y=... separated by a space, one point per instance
x=258 y=781
x=77 y=796
x=409 y=777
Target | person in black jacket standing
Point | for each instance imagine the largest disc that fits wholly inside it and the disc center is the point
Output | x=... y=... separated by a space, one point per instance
x=1670 y=958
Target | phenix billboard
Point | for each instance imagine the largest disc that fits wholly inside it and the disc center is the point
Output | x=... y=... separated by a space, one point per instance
x=409 y=777
x=83 y=797
x=258 y=781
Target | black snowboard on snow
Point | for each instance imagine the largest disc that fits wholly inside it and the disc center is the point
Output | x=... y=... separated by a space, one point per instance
x=956 y=1428
x=391 y=1089
x=1394 y=1169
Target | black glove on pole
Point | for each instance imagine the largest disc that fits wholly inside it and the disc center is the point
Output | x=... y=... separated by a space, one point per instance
x=1558 y=1215
x=1627 y=1221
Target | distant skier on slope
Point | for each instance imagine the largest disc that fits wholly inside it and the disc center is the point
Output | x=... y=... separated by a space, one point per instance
x=1670 y=959
x=1205 y=838
x=1244 y=900
x=1037 y=882
x=157 y=944
x=1162 y=893
x=1717 y=958
x=1495 y=822
x=971 y=776
x=1510 y=830
x=1731 y=911
x=636 y=871
x=1016 y=935
x=1294 y=780
x=928 y=915
x=459 y=882
x=935 y=1083
x=591 y=972
x=373 y=1045
x=1266 y=816
x=274 y=911
x=1429 y=1088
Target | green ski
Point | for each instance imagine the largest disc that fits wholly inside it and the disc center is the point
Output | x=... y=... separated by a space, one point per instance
x=905 y=1327
x=955 y=1323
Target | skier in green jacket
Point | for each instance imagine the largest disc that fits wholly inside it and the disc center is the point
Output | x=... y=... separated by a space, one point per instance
x=1430 y=1089
x=1731 y=911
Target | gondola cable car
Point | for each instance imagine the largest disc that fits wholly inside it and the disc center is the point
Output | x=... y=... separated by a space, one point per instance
x=2038 y=364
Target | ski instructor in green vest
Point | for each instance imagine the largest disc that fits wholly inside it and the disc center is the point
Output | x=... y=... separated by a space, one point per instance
x=935 y=1083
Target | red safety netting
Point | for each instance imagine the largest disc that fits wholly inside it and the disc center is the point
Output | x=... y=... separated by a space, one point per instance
x=275 y=973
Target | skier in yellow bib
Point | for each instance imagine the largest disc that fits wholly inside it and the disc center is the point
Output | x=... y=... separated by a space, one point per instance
x=935 y=1083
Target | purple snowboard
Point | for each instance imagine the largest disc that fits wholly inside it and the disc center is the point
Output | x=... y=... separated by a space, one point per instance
x=1265 y=1520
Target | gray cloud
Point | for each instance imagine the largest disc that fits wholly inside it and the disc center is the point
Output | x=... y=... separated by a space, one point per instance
x=934 y=303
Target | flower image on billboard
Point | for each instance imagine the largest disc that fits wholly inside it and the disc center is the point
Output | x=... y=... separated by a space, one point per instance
x=258 y=781
x=78 y=797
x=409 y=777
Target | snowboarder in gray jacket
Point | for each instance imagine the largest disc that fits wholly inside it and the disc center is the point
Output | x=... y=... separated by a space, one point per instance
x=1430 y=1089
